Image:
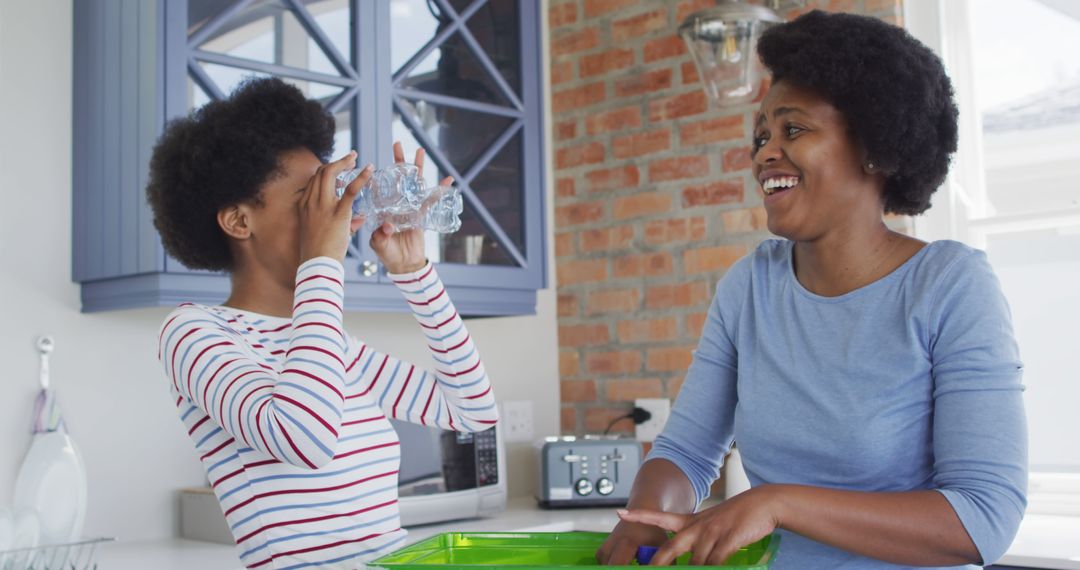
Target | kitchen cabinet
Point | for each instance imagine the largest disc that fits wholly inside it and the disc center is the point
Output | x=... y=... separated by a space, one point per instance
x=461 y=78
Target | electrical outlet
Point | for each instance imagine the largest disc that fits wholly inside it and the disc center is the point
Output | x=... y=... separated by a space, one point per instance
x=517 y=420
x=660 y=408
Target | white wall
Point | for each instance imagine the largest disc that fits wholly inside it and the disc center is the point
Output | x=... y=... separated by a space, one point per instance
x=109 y=382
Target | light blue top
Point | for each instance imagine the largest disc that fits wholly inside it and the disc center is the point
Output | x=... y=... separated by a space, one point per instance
x=911 y=382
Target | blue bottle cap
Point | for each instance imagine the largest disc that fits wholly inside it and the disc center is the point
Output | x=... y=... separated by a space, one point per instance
x=645 y=554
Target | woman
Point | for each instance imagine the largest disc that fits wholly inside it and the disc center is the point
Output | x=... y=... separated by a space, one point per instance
x=288 y=413
x=871 y=380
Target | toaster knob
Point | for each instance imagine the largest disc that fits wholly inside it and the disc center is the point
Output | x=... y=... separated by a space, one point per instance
x=604 y=486
x=583 y=486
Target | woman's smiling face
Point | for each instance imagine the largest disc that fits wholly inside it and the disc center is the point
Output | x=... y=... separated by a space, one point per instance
x=808 y=165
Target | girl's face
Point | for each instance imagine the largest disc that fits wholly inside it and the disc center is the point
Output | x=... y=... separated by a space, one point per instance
x=274 y=223
x=808 y=165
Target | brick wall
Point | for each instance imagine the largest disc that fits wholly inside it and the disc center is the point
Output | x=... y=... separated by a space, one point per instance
x=653 y=198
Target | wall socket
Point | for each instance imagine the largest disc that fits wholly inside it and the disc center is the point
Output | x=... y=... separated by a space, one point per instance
x=660 y=408
x=517 y=420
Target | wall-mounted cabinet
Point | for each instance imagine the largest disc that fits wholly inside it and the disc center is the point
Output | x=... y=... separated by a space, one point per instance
x=461 y=78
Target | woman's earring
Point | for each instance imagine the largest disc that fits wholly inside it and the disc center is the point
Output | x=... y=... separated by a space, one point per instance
x=870 y=167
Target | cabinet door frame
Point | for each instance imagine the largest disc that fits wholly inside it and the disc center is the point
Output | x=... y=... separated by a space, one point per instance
x=373 y=105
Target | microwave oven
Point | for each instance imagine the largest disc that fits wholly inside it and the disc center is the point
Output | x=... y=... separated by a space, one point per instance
x=443 y=476
x=446 y=475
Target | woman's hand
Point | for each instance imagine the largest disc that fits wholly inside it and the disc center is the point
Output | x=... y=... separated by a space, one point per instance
x=621 y=545
x=402 y=252
x=326 y=221
x=716 y=533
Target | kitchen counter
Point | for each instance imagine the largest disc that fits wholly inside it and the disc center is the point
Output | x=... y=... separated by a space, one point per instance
x=1044 y=541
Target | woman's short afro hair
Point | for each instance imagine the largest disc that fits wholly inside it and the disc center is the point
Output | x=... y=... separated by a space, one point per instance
x=222 y=155
x=891 y=88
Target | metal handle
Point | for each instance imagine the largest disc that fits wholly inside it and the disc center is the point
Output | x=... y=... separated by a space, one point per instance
x=368 y=268
x=45 y=346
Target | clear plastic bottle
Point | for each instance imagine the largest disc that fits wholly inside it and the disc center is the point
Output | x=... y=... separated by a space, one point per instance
x=398 y=194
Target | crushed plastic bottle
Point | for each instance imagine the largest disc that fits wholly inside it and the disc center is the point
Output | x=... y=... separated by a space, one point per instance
x=398 y=194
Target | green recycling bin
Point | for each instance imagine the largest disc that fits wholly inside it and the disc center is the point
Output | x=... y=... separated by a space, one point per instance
x=537 y=550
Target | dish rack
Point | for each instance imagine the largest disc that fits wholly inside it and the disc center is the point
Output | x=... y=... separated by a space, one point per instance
x=78 y=555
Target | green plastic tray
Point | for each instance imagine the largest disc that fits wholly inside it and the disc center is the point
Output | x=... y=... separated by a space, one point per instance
x=535 y=550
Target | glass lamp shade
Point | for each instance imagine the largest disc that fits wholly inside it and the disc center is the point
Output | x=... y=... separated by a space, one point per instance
x=722 y=40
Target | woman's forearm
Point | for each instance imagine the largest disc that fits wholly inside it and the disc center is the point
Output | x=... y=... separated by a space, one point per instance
x=917 y=528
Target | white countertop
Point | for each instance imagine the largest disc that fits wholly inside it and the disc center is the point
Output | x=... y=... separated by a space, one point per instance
x=1044 y=541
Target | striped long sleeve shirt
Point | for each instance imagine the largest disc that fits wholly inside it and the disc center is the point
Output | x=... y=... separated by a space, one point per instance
x=289 y=416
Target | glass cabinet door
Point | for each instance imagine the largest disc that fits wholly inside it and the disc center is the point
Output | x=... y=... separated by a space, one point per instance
x=450 y=76
x=457 y=91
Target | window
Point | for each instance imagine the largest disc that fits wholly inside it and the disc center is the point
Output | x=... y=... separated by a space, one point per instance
x=1013 y=192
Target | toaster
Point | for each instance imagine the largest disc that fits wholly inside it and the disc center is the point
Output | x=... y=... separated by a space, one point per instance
x=592 y=471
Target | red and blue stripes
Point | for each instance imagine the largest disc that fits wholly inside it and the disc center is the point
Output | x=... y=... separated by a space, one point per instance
x=290 y=416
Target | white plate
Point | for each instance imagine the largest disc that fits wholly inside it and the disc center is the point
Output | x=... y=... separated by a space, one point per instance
x=52 y=482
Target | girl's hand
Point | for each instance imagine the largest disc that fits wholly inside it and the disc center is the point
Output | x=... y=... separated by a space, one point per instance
x=402 y=252
x=326 y=221
x=621 y=545
x=716 y=533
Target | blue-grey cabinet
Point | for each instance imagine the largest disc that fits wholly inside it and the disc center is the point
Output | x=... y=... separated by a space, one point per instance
x=460 y=78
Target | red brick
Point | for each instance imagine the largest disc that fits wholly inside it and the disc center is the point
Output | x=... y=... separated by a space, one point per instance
x=737 y=159
x=643 y=83
x=710 y=259
x=639 y=25
x=565 y=130
x=674 y=385
x=676 y=106
x=613 y=362
x=647 y=330
x=577 y=97
x=577 y=271
x=713 y=130
x=670 y=359
x=598 y=419
x=618 y=178
x=689 y=73
x=720 y=192
x=663 y=48
x=564 y=244
x=571 y=156
x=628 y=390
x=879 y=5
x=594 y=8
x=583 y=335
x=561 y=71
x=641 y=205
x=843 y=6
x=564 y=187
x=688 y=7
x=640 y=144
x=580 y=213
x=567 y=305
x=577 y=390
x=643 y=265
x=692 y=294
x=613 y=301
x=606 y=239
x=562 y=14
x=569 y=363
x=606 y=62
x=574 y=42
x=624 y=118
x=674 y=230
x=695 y=322
x=745 y=220
x=568 y=421
x=678 y=168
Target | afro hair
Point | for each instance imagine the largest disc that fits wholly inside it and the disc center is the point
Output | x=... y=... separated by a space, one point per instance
x=222 y=155
x=892 y=90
